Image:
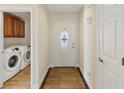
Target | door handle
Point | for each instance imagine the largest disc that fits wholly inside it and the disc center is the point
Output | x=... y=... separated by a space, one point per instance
x=73 y=47
x=100 y=60
x=2 y=52
x=123 y=61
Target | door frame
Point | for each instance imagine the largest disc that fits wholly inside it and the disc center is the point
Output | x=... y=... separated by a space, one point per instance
x=52 y=41
x=98 y=64
x=31 y=10
x=1 y=47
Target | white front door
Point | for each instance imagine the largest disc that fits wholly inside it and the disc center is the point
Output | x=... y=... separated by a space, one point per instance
x=64 y=44
x=111 y=70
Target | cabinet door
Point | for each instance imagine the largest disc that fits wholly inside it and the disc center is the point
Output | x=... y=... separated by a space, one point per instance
x=17 y=28
x=8 y=25
x=22 y=29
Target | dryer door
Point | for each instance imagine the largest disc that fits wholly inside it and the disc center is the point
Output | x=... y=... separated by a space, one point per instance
x=12 y=61
x=27 y=55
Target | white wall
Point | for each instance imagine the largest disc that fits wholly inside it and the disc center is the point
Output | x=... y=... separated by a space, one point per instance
x=56 y=18
x=19 y=41
x=43 y=43
x=81 y=46
x=88 y=44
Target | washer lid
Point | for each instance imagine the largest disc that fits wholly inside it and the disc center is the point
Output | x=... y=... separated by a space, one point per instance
x=12 y=61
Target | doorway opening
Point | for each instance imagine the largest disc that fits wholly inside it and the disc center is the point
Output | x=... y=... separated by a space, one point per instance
x=16 y=49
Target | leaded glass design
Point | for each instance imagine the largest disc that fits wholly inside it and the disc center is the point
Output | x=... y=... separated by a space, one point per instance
x=64 y=39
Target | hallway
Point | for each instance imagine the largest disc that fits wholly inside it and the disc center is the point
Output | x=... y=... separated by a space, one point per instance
x=64 y=78
x=86 y=36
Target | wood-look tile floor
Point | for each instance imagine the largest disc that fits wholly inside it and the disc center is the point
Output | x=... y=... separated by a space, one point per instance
x=19 y=81
x=64 y=78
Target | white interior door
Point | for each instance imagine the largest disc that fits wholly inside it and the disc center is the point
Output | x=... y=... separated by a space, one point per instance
x=64 y=44
x=111 y=72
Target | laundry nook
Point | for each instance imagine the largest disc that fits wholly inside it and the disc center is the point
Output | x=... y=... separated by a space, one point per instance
x=16 y=50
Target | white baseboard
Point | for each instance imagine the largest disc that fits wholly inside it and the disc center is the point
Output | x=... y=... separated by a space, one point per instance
x=81 y=69
x=51 y=65
x=42 y=78
x=35 y=86
x=88 y=83
x=77 y=65
x=38 y=84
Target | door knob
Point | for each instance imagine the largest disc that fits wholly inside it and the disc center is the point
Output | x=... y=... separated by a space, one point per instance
x=100 y=60
x=123 y=61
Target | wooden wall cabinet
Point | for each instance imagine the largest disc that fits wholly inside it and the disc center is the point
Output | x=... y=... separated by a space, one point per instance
x=8 y=26
x=22 y=29
x=13 y=26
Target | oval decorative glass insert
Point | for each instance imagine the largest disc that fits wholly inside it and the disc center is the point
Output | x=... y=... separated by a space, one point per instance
x=64 y=39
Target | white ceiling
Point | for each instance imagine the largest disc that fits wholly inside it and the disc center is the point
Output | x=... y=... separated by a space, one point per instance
x=64 y=8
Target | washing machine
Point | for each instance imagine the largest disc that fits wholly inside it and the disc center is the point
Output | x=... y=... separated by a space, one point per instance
x=25 y=55
x=11 y=62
